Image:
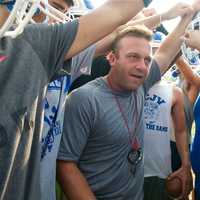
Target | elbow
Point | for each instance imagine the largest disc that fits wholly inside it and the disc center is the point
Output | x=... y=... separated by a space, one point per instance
x=65 y=167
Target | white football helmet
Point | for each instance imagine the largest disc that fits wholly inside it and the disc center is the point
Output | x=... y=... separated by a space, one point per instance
x=80 y=8
x=21 y=13
x=192 y=55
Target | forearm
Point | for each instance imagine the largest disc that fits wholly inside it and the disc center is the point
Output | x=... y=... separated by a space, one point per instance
x=72 y=181
x=123 y=11
x=104 y=46
x=150 y=22
x=183 y=147
x=170 y=47
x=112 y=14
x=102 y=21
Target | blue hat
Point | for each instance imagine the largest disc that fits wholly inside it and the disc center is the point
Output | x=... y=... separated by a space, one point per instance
x=158 y=36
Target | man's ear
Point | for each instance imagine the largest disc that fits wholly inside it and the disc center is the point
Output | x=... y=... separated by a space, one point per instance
x=111 y=57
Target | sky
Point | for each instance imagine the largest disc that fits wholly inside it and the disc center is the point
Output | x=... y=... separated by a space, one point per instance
x=160 y=6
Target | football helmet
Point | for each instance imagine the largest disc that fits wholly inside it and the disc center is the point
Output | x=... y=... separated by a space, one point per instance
x=192 y=55
x=80 y=8
x=21 y=13
x=157 y=38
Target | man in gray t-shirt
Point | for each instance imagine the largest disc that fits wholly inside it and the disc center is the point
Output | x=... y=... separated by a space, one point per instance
x=23 y=88
x=102 y=133
x=100 y=155
x=97 y=139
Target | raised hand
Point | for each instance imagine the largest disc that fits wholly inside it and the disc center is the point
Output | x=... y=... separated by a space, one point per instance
x=180 y=9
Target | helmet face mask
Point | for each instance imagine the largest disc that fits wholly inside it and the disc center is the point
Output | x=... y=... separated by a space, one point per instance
x=80 y=8
x=22 y=13
x=192 y=55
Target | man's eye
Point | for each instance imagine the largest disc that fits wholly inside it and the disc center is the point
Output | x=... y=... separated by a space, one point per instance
x=133 y=56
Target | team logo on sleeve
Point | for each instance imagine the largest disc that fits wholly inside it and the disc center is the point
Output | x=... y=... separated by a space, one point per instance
x=3 y=58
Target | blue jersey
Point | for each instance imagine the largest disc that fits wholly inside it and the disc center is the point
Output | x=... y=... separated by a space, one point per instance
x=195 y=148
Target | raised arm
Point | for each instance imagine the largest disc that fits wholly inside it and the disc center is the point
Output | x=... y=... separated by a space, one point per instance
x=170 y=47
x=102 y=21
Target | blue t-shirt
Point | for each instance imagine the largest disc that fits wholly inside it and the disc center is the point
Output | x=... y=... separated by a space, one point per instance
x=195 y=147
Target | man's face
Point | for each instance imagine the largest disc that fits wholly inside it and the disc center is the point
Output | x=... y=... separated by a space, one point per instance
x=60 y=5
x=130 y=64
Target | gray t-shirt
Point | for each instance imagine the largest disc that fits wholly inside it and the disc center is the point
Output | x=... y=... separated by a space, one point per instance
x=98 y=141
x=30 y=61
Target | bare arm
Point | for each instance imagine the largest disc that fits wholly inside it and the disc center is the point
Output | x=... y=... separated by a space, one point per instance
x=73 y=182
x=170 y=47
x=188 y=73
x=104 y=46
x=150 y=22
x=178 y=118
x=102 y=21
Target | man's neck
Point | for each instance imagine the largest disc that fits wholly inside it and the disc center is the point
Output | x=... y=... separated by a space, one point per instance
x=115 y=85
x=112 y=82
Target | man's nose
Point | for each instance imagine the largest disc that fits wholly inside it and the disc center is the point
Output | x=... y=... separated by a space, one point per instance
x=141 y=65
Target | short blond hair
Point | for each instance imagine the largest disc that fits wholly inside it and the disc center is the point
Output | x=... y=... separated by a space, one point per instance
x=139 y=31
